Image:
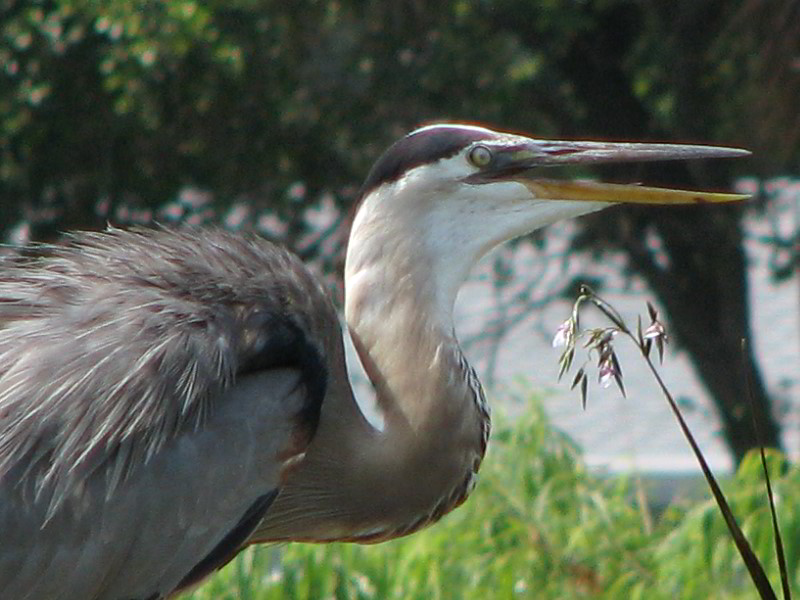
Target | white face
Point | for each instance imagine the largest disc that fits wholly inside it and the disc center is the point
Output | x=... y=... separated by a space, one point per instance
x=434 y=217
x=438 y=204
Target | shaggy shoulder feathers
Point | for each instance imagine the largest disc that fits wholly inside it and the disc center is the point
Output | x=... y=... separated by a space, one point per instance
x=115 y=342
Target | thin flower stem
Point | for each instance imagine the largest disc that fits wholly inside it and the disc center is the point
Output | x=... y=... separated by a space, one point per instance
x=748 y=556
x=601 y=341
x=787 y=592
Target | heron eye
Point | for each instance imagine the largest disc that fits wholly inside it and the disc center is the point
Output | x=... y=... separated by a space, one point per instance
x=480 y=156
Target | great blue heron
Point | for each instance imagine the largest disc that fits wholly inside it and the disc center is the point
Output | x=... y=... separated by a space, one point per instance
x=169 y=397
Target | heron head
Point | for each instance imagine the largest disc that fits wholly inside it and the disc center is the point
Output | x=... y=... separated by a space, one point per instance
x=446 y=194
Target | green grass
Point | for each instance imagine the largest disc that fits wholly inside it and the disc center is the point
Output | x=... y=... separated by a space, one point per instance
x=539 y=526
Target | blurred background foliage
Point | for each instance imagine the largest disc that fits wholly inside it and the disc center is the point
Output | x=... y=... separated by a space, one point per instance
x=134 y=100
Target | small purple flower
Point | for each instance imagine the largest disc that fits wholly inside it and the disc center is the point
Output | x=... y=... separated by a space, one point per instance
x=654 y=331
x=564 y=334
x=606 y=372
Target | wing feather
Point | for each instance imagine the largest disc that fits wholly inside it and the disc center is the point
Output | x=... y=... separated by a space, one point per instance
x=116 y=342
x=153 y=385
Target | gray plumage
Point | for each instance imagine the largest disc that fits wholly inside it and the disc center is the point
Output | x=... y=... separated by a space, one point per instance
x=118 y=344
x=169 y=397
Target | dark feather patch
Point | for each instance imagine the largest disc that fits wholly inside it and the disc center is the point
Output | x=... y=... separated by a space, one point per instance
x=230 y=545
x=279 y=342
x=418 y=148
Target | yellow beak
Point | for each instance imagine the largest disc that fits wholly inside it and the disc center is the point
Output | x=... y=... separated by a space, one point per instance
x=523 y=160
x=625 y=193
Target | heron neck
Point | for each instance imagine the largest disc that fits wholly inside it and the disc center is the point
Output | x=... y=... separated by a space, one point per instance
x=436 y=421
x=360 y=484
x=415 y=366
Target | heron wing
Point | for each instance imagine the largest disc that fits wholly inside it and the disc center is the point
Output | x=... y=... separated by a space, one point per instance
x=168 y=524
x=118 y=346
